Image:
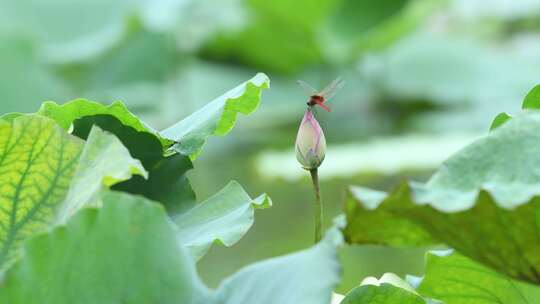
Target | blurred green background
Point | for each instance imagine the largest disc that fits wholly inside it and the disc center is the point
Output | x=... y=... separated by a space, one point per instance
x=424 y=78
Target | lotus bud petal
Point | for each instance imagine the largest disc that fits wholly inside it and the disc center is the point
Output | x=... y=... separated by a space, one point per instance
x=310 y=142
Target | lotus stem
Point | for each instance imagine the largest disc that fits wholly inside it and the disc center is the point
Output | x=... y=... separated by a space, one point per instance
x=318 y=205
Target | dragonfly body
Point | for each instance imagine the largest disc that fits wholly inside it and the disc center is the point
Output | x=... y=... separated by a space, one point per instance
x=319 y=98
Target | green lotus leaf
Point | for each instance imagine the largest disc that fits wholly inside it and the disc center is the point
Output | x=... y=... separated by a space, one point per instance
x=225 y=218
x=123 y=153
x=98 y=258
x=37 y=161
x=305 y=277
x=532 y=99
x=483 y=201
x=68 y=112
x=499 y=120
x=47 y=174
x=455 y=279
x=389 y=289
x=124 y=252
x=217 y=117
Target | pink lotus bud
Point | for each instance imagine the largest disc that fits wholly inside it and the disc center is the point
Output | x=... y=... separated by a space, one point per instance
x=310 y=142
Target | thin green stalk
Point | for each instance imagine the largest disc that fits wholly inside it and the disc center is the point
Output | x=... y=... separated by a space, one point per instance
x=318 y=205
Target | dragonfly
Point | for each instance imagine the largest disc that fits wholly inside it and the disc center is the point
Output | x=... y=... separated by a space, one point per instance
x=321 y=97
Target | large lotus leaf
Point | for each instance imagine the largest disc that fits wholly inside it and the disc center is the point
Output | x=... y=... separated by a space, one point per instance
x=482 y=202
x=225 y=218
x=389 y=289
x=125 y=252
x=167 y=181
x=217 y=117
x=37 y=161
x=455 y=279
x=305 y=277
x=43 y=176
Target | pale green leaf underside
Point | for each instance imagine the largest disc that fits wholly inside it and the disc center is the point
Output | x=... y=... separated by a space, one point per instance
x=98 y=258
x=305 y=277
x=217 y=117
x=224 y=218
x=103 y=163
x=125 y=252
x=389 y=289
x=482 y=202
x=37 y=162
x=455 y=279
x=501 y=163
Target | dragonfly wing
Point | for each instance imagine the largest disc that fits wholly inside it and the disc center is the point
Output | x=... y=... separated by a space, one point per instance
x=330 y=90
x=309 y=89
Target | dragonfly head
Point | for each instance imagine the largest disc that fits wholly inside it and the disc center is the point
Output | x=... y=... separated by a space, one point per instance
x=315 y=99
